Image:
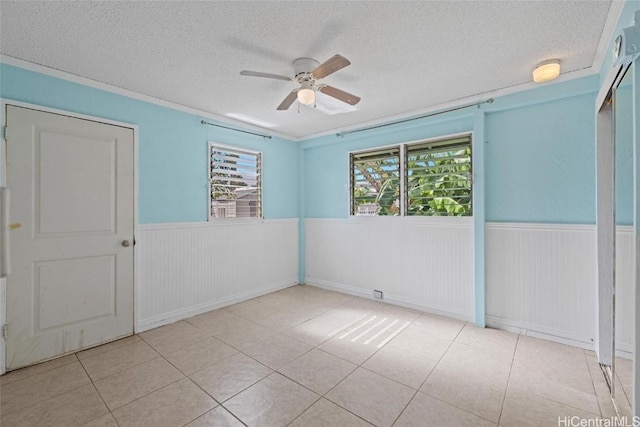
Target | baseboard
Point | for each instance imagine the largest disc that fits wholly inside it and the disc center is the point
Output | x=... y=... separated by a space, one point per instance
x=624 y=350
x=561 y=337
x=194 y=310
x=391 y=299
x=539 y=331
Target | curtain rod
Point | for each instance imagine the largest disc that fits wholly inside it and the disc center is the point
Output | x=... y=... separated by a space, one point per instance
x=237 y=130
x=342 y=134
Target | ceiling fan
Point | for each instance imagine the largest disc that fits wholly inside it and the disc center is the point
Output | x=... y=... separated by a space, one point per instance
x=307 y=72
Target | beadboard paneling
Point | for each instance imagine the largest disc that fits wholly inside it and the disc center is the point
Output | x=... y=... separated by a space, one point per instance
x=425 y=263
x=187 y=269
x=625 y=289
x=541 y=279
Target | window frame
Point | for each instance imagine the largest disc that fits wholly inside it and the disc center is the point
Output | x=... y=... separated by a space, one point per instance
x=242 y=150
x=403 y=152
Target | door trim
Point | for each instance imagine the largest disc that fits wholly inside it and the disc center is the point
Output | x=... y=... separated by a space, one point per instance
x=4 y=102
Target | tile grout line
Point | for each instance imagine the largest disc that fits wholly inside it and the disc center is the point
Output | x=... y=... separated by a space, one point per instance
x=108 y=351
x=97 y=391
x=151 y=392
x=559 y=403
x=305 y=409
x=547 y=398
x=428 y=375
x=257 y=361
x=36 y=373
x=361 y=366
x=61 y=393
x=317 y=347
x=51 y=397
x=276 y=371
x=443 y=354
x=158 y=355
x=91 y=380
x=333 y=307
x=227 y=410
x=593 y=385
x=193 y=382
x=628 y=397
x=142 y=397
x=188 y=378
x=323 y=396
x=506 y=390
x=332 y=402
x=449 y=403
x=567 y=404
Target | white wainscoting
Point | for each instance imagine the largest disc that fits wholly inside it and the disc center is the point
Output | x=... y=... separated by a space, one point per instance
x=423 y=263
x=625 y=289
x=541 y=280
x=188 y=269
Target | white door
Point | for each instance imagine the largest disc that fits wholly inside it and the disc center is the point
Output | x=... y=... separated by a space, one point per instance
x=71 y=239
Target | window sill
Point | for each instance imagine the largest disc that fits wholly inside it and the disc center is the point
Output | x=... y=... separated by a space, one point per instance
x=417 y=220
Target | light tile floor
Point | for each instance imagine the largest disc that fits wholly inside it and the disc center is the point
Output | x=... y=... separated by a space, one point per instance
x=305 y=356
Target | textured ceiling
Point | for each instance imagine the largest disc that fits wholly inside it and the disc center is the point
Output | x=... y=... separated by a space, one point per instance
x=406 y=56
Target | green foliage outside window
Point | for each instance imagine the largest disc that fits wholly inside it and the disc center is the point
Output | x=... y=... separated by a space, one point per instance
x=438 y=180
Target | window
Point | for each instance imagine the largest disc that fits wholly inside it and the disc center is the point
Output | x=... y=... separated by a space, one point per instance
x=375 y=182
x=235 y=183
x=436 y=179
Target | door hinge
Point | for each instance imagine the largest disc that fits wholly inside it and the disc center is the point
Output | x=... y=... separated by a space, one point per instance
x=4 y=132
x=5 y=331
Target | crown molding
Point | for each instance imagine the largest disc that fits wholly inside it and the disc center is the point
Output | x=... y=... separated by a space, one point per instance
x=74 y=78
x=615 y=12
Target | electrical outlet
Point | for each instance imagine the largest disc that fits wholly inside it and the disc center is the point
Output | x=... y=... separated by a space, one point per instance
x=378 y=294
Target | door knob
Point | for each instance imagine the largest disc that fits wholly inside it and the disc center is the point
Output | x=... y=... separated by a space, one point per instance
x=126 y=243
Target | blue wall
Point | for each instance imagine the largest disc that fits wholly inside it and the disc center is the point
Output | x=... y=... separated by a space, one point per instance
x=172 y=147
x=540 y=162
x=539 y=156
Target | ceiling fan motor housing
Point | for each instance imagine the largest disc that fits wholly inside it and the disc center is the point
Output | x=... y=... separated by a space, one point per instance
x=302 y=68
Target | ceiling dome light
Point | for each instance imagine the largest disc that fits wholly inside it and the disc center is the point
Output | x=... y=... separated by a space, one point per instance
x=546 y=71
x=306 y=96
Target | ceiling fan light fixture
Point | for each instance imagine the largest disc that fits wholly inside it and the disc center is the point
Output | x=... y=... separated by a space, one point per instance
x=546 y=71
x=306 y=96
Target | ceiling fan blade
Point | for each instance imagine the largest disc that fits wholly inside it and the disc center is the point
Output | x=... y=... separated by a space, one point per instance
x=339 y=94
x=284 y=105
x=330 y=66
x=265 y=75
